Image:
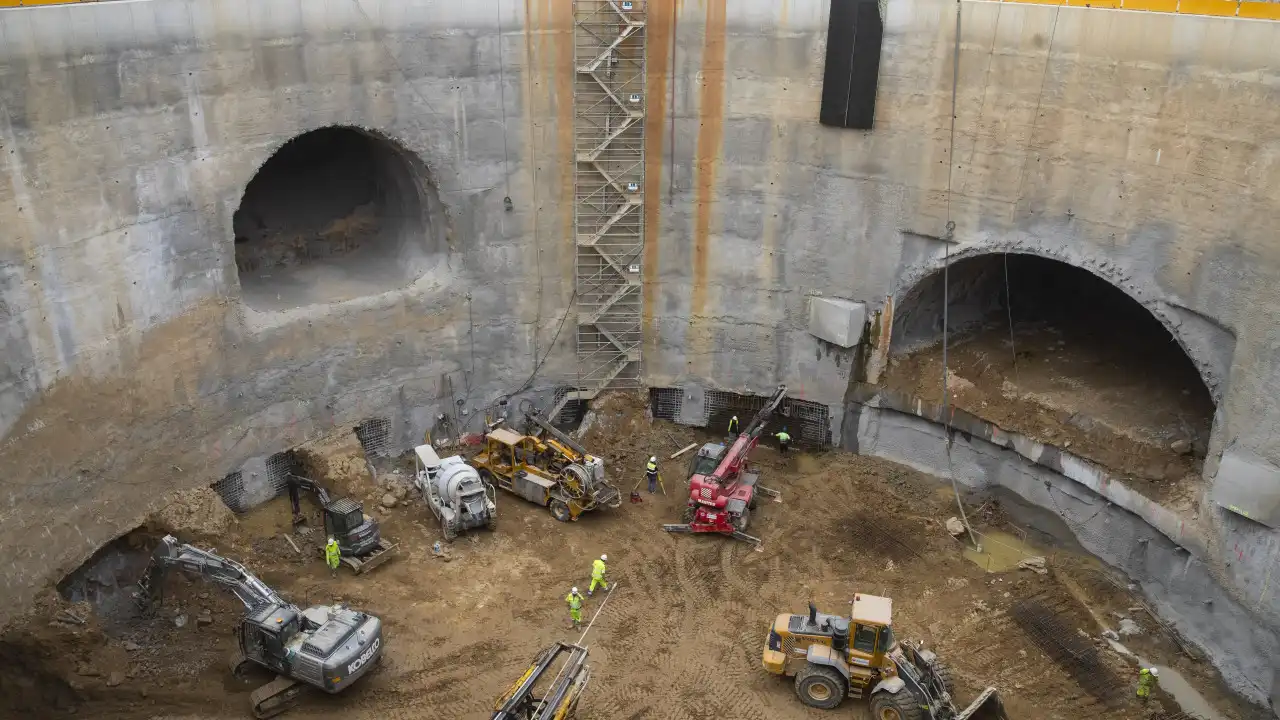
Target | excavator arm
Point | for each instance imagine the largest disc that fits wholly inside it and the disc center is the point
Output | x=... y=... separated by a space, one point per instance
x=230 y=574
x=298 y=483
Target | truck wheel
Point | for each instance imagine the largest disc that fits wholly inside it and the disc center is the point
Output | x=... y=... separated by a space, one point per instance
x=449 y=533
x=820 y=686
x=901 y=705
x=689 y=512
x=559 y=510
x=740 y=522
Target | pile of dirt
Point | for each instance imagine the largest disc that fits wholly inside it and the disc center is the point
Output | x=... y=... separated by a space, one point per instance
x=198 y=513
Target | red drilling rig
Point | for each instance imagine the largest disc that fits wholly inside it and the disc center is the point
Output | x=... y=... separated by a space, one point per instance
x=722 y=489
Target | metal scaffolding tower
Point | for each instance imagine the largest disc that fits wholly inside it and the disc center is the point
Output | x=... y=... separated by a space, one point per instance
x=608 y=128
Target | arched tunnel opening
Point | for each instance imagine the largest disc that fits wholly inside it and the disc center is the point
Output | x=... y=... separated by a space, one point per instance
x=335 y=213
x=1048 y=350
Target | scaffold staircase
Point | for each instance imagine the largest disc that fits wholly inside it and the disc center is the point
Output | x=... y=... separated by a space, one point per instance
x=608 y=128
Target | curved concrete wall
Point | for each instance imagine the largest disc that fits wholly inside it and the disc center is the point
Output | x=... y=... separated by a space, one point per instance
x=129 y=132
x=1141 y=145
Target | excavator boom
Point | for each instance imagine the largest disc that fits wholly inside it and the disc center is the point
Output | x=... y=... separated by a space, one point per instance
x=230 y=574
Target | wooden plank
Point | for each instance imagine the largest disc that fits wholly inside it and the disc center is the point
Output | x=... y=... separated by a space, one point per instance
x=683 y=450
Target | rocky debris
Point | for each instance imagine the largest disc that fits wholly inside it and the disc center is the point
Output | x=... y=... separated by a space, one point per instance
x=115 y=678
x=955 y=527
x=1182 y=447
x=179 y=620
x=401 y=492
x=1110 y=634
x=199 y=511
x=388 y=500
x=1129 y=627
x=131 y=646
x=1034 y=564
x=85 y=669
x=205 y=618
x=957 y=384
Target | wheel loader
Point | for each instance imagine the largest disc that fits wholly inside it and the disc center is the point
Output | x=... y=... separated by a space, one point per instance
x=833 y=657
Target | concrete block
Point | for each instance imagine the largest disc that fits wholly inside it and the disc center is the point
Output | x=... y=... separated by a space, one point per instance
x=693 y=406
x=839 y=322
x=1249 y=486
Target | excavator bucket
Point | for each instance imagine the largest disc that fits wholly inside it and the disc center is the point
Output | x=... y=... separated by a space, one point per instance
x=987 y=706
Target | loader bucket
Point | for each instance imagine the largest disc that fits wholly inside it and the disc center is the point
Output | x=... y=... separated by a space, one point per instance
x=987 y=706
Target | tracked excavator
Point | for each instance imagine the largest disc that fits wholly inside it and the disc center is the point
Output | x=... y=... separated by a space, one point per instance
x=535 y=697
x=358 y=535
x=722 y=488
x=327 y=647
x=833 y=657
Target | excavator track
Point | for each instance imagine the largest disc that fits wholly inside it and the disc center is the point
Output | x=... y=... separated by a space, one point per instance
x=275 y=697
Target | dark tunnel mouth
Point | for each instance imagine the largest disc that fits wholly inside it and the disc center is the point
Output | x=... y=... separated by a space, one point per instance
x=335 y=213
x=1006 y=303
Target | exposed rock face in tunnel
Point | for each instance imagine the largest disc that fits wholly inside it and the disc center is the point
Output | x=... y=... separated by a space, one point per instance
x=1044 y=348
x=336 y=213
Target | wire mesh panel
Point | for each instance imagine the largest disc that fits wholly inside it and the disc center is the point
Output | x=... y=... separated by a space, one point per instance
x=374 y=435
x=806 y=421
x=1043 y=618
x=809 y=421
x=665 y=402
x=279 y=467
x=609 y=112
x=231 y=490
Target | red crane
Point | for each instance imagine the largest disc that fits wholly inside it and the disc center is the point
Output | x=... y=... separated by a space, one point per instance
x=721 y=501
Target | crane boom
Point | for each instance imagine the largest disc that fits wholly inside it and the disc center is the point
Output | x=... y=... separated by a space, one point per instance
x=555 y=433
x=230 y=574
x=727 y=473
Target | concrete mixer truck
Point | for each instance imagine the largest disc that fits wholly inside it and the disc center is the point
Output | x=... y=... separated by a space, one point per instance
x=454 y=492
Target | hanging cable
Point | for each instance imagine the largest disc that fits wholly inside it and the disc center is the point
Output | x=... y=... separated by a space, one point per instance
x=1008 y=306
x=946 y=286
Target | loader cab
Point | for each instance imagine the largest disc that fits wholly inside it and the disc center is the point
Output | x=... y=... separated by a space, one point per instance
x=870 y=631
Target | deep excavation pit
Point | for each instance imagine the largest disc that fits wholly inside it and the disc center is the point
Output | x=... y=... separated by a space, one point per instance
x=1062 y=356
x=461 y=632
x=335 y=213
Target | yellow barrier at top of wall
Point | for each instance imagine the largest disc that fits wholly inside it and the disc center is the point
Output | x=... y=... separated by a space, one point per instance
x=1216 y=8
x=32 y=3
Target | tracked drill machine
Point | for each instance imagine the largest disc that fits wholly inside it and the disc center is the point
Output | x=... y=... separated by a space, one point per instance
x=722 y=489
x=327 y=647
x=535 y=697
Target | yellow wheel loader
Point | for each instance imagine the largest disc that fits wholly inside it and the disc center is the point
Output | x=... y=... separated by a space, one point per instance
x=832 y=658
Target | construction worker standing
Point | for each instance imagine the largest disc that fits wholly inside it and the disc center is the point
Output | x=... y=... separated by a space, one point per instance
x=574 y=598
x=1146 y=680
x=651 y=473
x=784 y=440
x=597 y=575
x=733 y=425
x=332 y=556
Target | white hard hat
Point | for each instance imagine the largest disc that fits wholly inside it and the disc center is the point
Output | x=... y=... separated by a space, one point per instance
x=653 y=458
x=1155 y=671
x=575 y=590
x=604 y=557
x=330 y=538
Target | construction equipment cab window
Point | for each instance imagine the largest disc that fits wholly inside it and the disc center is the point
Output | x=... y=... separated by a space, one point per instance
x=864 y=639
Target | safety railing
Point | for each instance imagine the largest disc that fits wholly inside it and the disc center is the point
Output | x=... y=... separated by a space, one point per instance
x=1250 y=9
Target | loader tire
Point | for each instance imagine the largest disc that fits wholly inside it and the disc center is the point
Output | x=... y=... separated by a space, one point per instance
x=901 y=705
x=820 y=686
x=944 y=676
x=559 y=510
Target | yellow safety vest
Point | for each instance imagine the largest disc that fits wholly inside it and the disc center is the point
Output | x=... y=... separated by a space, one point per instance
x=597 y=570
x=331 y=553
x=575 y=601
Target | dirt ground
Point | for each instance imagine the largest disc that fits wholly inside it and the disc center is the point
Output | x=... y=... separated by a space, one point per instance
x=679 y=637
x=1143 y=420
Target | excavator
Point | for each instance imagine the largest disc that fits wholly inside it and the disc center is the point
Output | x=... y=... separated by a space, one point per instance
x=833 y=657
x=722 y=490
x=327 y=647
x=358 y=535
x=559 y=697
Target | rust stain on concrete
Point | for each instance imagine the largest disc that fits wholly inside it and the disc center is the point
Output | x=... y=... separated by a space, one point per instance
x=563 y=72
x=706 y=163
x=660 y=29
